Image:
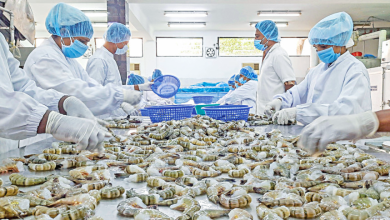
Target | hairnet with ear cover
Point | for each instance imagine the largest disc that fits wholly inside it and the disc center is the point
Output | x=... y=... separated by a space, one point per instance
x=156 y=73
x=66 y=21
x=249 y=73
x=269 y=30
x=231 y=80
x=135 y=79
x=336 y=30
x=117 y=33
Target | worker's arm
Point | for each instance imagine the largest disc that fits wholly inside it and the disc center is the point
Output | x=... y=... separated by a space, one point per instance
x=384 y=120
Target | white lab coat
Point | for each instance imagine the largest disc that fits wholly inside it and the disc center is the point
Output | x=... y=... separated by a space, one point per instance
x=22 y=103
x=343 y=88
x=50 y=69
x=103 y=68
x=223 y=99
x=246 y=94
x=276 y=69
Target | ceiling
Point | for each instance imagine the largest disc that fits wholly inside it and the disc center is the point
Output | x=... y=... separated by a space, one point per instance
x=226 y=15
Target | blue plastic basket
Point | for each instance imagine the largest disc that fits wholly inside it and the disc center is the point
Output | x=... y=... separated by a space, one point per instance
x=166 y=86
x=144 y=112
x=228 y=112
x=169 y=112
x=203 y=99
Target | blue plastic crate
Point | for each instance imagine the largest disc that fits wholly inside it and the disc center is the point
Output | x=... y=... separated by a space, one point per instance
x=228 y=112
x=144 y=112
x=166 y=86
x=169 y=112
x=203 y=99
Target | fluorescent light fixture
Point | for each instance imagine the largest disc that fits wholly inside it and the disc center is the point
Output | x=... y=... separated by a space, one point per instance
x=187 y=24
x=95 y=13
x=183 y=14
x=275 y=13
x=278 y=24
x=99 y=24
x=362 y=23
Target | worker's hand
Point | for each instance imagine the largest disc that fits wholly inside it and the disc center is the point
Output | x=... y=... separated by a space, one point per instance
x=327 y=129
x=283 y=116
x=273 y=105
x=131 y=96
x=76 y=108
x=145 y=86
x=86 y=133
x=129 y=109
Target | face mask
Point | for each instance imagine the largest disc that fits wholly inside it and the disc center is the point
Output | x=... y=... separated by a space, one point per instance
x=328 y=55
x=236 y=85
x=242 y=80
x=121 y=51
x=231 y=87
x=260 y=46
x=74 y=50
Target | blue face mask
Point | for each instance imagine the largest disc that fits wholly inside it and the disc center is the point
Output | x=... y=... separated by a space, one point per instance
x=74 y=50
x=121 y=51
x=242 y=80
x=236 y=85
x=231 y=87
x=328 y=55
x=260 y=46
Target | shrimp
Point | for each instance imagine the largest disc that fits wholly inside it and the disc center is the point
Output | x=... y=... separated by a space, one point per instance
x=210 y=213
x=215 y=191
x=130 y=207
x=138 y=178
x=238 y=173
x=151 y=199
x=112 y=192
x=235 y=198
x=8 y=191
x=239 y=214
x=20 y=180
x=144 y=214
x=188 y=205
x=43 y=167
x=265 y=213
x=309 y=210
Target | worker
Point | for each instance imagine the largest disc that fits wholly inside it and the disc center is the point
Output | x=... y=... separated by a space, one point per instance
x=232 y=86
x=28 y=110
x=246 y=93
x=52 y=64
x=338 y=86
x=134 y=79
x=277 y=74
x=152 y=98
x=237 y=81
x=156 y=73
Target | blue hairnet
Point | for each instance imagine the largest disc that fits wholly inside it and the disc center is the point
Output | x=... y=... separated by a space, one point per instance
x=117 y=33
x=269 y=30
x=249 y=73
x=237 y=77
x=336 y=29
x=231 y=80
x=156 y=73
x=66 y=21
x=135 y=79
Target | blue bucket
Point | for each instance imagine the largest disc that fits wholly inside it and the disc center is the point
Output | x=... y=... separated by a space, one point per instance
x=166 y=86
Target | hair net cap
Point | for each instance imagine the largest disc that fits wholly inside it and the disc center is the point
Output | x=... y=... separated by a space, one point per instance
x=231 y=80
x=237 y=77
x=135 y=79
x=156 y=73
x=336 y=30
x=269 y=30
x=66 y=21
x=117 y=33
x=249 y=73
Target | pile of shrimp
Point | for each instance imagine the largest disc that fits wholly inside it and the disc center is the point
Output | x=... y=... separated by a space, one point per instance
x=230 y=163
x=123 y=123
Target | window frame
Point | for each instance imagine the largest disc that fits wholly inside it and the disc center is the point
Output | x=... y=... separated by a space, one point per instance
x=260 y=55
x=185 y=38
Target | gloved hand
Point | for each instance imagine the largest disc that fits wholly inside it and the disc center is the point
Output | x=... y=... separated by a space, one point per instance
x=76 y=108
x=327 y=129
x=285 y=115
x=272 y=105
x=131 y=96
x=145 y=86
x=129 y=109
x=86 y=133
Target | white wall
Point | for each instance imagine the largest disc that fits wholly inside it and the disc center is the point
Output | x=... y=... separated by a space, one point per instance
x=195 y=69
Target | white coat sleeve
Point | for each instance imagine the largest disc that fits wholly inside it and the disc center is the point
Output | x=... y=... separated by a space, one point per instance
x=97 y=69
x=297 y=95
x=22 y=83
x=350 y=100
x=20 y=114
x=243 y=92
x=283 y=68
x=50 y=73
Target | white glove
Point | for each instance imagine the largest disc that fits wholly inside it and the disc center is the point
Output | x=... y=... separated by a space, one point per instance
x=272 y=105
x=131 y=96
x=76 y=108
x=285 y=115
x=86 y=133
x=129 y=109
x=327 y=129
x=145 y=86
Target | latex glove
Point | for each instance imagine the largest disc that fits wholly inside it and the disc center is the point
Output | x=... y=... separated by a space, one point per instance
x=327 y=129
x=285 y=115
x=145 y=86
x=131 y=96
x=86 y=133
x=273 y=105
x=129 y=109
x=76 y=108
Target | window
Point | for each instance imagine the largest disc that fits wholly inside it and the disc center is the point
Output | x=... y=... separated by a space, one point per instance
x=297 y=46
x=135 y=46
x=179 y=46
x=237 y=47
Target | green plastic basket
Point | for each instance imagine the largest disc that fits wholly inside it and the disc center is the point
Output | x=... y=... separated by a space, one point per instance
x=199 y=109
